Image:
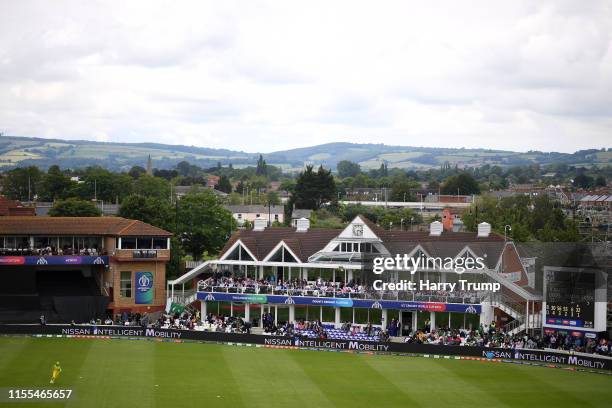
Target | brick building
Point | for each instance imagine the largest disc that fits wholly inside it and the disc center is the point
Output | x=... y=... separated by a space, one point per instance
x=111 y=264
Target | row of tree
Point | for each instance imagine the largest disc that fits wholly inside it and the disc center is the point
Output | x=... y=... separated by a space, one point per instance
x=529 y=218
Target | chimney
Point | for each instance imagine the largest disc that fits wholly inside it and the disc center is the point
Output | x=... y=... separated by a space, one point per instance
x=260 y=224
x=484 y=229
x=435 y=229
x=302 y=225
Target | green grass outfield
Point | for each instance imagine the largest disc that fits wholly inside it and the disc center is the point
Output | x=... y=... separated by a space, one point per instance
x=141 y=373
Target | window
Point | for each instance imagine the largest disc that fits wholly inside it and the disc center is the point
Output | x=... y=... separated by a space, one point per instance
x=160 y=243
x=143 y=243
x=275 y=217
x=16 y=242
x=239 y=216
x=257 y=215
x=128 y=243
x=126 y=284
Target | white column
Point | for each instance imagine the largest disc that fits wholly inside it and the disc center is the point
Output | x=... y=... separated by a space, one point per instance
x=400 y=319
x=486 y=314
x=289 y=278
x=261 y=313
x=247 y=312
x=261 y=272
x=350 y=275
x=337 y=322
x=415 y=321
x=276 y=315
x=203 y=311
x=384 y=319
x=291 y=313
x=432 y=320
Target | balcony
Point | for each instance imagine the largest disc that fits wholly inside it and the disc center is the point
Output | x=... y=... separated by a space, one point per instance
x=127 y=255
x=366 y=294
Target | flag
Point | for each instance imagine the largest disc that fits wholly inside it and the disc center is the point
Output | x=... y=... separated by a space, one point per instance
x=176 y=308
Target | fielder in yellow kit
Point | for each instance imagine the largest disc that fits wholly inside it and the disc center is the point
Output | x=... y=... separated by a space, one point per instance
x=55 y=372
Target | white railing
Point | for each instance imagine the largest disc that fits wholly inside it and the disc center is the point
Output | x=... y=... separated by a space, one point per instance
x=193 y=264
x=184 y=298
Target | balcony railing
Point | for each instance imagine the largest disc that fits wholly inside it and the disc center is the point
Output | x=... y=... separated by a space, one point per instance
x=141 y=254
x=366 y=295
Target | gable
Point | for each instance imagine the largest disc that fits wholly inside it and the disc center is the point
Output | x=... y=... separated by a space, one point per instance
x=359 y=229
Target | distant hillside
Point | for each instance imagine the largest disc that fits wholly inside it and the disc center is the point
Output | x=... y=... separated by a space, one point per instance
x=23 y=151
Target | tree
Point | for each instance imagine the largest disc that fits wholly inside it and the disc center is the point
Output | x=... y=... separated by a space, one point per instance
x=224 y=185
x=273 y=198
x=348 y=168
x=152 y=210
x=152 y=187
x=137 y=171
x=462 y=183
x=583 y=181
x=240 y=187
x=55 y=185
x=600 y=181
x=187 y=170
x=314 y=189
x=203 y=223
x=22 y=183
x=74 y=207
x=101 y=184
x=401 y=187
x=531 y=219
x=261 y=169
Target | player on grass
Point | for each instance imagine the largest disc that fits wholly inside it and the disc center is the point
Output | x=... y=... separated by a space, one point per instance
x=55 y=372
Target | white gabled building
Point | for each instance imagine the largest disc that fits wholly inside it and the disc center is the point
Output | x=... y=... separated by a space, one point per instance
x=281 y=271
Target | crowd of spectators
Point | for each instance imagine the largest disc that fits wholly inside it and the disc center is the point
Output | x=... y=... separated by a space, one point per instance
x=322 y=287
x=490 y=336
x=316 y=329
x=294 y=287
x=50 y=251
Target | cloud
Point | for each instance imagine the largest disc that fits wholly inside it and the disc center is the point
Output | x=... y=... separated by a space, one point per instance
x=264 y=76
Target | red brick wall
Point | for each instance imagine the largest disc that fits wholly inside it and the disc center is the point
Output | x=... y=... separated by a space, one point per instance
x=157 y=268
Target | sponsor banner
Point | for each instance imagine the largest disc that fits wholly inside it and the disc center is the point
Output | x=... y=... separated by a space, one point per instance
x=523 y=355
x=340 y=302
x=53 y=260
x=144 y=288
x=565 y=322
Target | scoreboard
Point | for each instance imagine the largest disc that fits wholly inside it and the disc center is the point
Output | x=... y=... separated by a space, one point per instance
x=570 y=298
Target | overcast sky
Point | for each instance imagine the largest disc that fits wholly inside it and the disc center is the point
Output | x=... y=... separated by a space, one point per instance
x=265 y=76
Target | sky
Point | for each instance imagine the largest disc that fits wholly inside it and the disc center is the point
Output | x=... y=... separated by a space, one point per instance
x=262 y=76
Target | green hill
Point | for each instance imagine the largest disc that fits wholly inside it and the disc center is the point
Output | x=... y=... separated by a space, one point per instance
x=23 y=151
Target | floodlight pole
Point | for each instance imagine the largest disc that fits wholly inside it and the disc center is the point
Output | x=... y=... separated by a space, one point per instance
x=506 y=229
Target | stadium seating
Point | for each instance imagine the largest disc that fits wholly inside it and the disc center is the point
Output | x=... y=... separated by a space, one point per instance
x=338 y=334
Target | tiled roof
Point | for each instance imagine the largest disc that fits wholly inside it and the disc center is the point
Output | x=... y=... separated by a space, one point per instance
x=113 y=226
x=301 y=213
x=303 y=244
x=307 y=243
x=255 y=209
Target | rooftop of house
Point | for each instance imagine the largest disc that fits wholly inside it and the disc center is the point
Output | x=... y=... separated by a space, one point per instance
x=301 y=213
x=306 y=243
x=10 y=207
x=90 y=226
x=255 y=209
